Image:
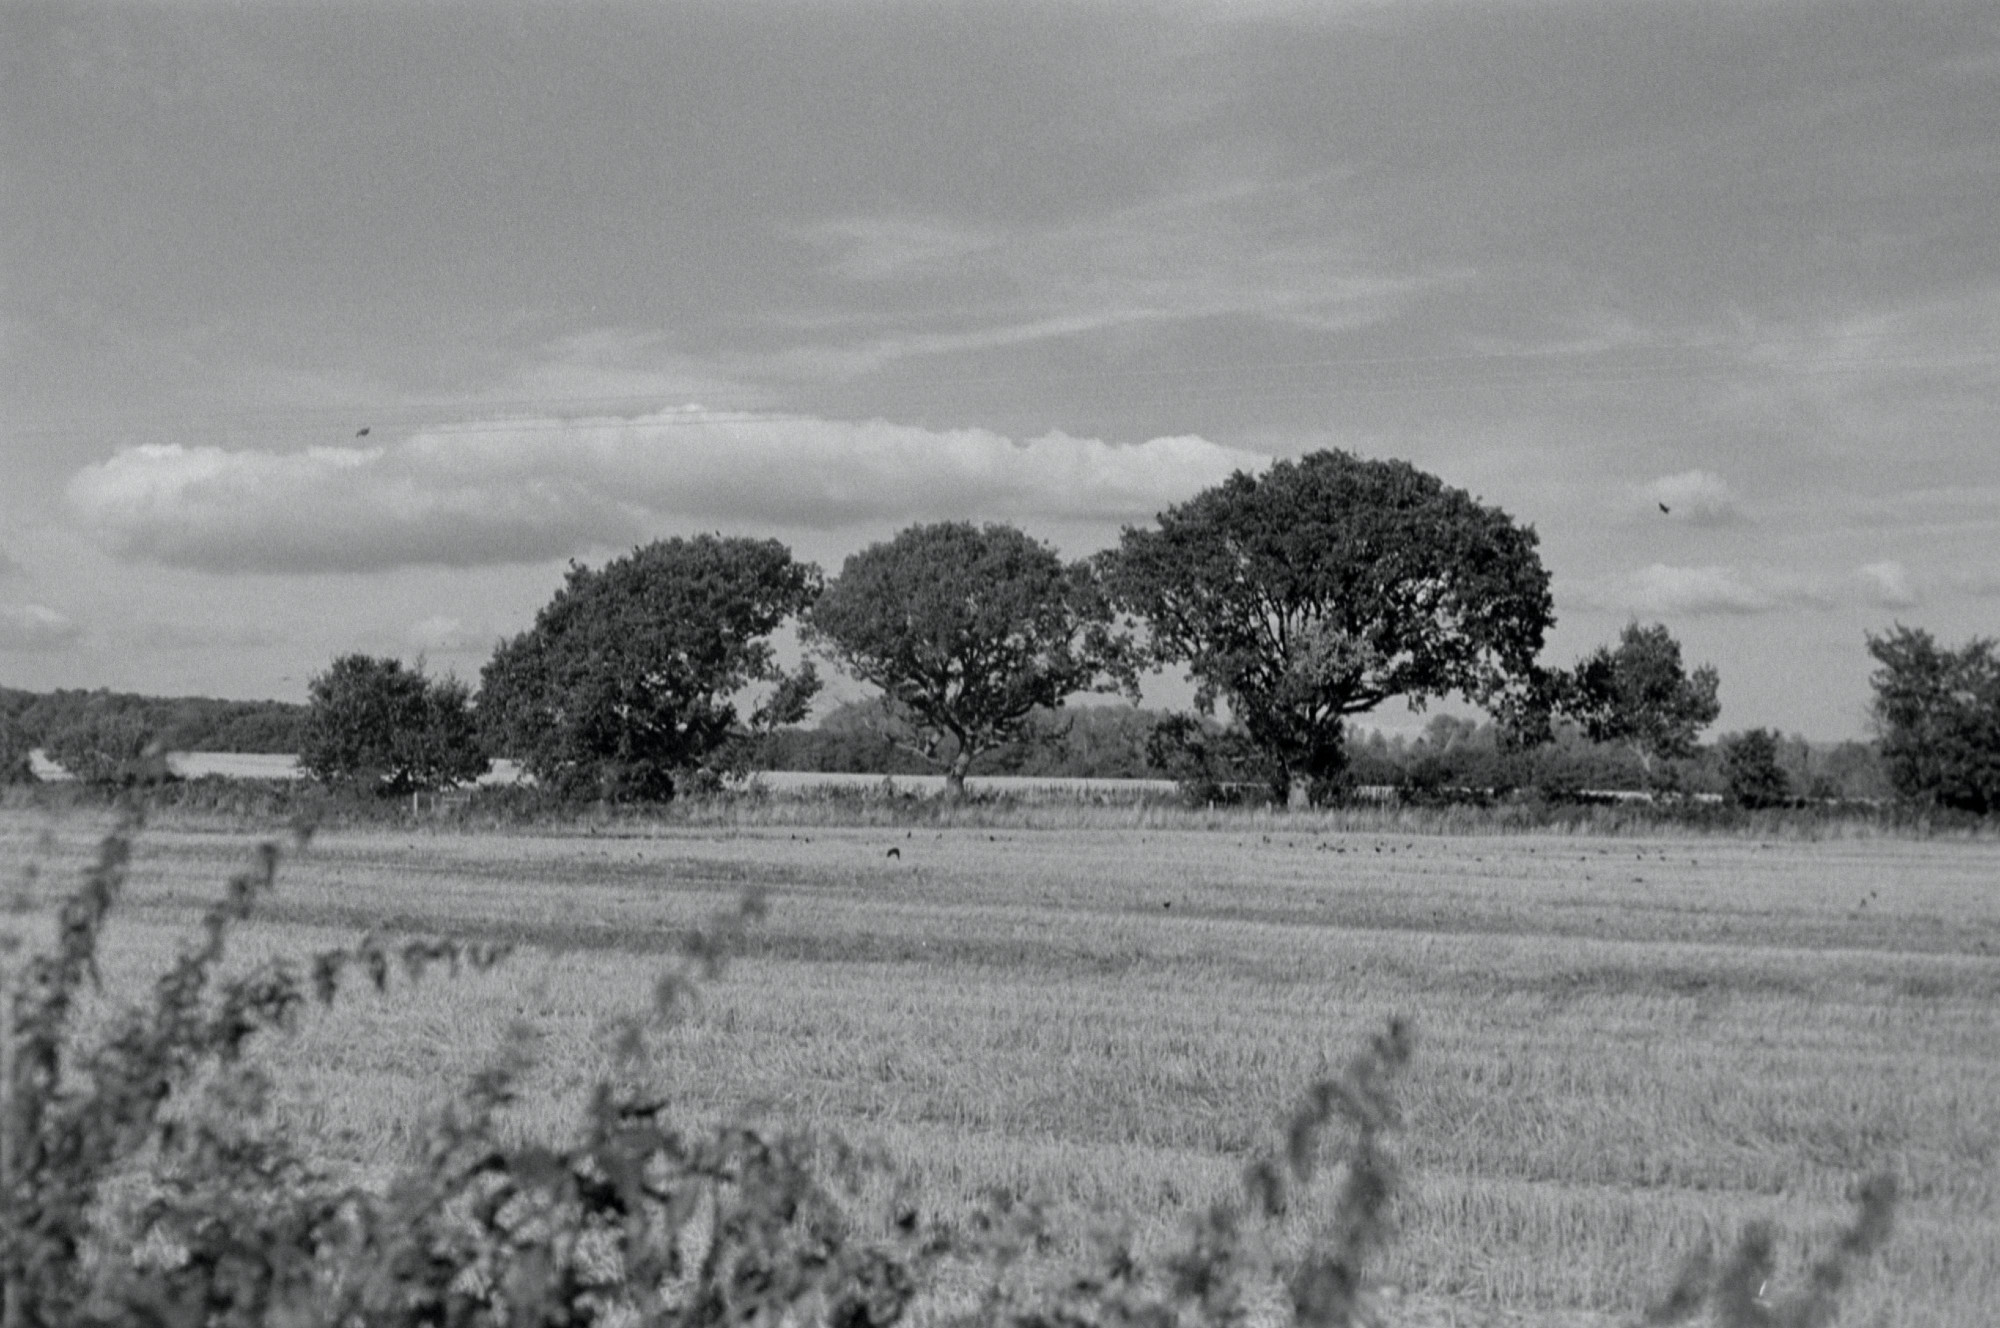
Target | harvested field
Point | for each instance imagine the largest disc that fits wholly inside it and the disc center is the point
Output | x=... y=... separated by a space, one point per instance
x=1625 y=1045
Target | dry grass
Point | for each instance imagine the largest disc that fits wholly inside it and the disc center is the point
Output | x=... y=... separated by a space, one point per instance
x=1626 y=1045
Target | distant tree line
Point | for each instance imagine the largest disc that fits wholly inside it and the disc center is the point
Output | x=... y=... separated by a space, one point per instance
x=104 y=736
x=181 y=723
x=1452 y=759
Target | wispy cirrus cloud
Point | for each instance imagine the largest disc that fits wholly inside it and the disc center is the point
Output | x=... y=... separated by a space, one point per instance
x=1156 y=265
x=529 y=490
x=885 y=248
x=32 y=628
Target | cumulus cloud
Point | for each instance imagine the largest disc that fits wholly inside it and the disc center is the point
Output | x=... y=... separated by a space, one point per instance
x=1698 y=497
x=1661 y=591
x=1887 y=585
x=528 y=490
x=30 y=627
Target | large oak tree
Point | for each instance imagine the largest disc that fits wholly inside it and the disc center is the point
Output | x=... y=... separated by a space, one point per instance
x=629 y=676
x=1326 y=586
x=969 y=632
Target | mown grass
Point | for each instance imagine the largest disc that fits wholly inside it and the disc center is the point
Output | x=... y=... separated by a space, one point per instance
x=1628 y=1045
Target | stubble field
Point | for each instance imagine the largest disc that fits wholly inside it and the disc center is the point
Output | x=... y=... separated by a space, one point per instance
x=1625 y=1045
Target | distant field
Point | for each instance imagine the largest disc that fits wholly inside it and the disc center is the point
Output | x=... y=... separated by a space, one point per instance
x=794 y=781
x=1624 y=1044
x=268 y=765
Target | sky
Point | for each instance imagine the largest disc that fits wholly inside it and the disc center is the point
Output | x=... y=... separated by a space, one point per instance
x=329 y=327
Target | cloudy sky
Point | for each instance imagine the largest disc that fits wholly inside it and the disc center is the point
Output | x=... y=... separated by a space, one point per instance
x=592 y=274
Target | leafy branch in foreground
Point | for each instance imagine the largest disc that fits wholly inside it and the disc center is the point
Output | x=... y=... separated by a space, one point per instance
x=75 y=1112
x=1734 y=1290
x=1230 y=1259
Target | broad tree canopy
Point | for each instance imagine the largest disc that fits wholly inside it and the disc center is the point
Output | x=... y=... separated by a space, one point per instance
x=968 y=631
x=629 y=674
x=1329 y=585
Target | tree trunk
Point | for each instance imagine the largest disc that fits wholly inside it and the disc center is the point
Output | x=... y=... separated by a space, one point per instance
x=1324 y=779
x=954 y=775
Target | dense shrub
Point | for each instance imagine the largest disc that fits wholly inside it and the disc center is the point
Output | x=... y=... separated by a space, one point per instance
x=379 y=727
x=15 y=749
x=1214 y=765
x=107 y=746
x=1750 y=764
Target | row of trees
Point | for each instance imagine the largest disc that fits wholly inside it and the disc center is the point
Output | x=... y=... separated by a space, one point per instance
x=1294 y=600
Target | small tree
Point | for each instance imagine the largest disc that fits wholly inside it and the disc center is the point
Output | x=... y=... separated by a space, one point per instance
x=1853 y=770
x=373 y=724
x=1326 y=587
x=628 y=676
x=1937 y=714
x=104 y=745
x=1640 y=695
x=16 y=748
x=969 y=632
x=1210 y=762
x=1751 y=768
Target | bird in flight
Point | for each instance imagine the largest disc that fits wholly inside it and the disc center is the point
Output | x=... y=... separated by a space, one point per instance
x=1663 y=507
x=362 y=432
